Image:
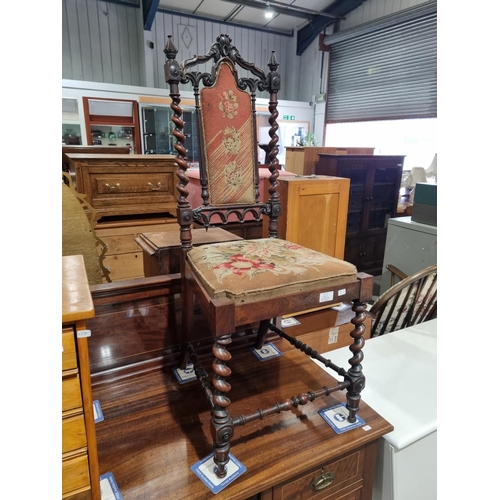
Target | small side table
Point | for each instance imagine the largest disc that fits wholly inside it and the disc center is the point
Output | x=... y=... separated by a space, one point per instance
x=161 y=251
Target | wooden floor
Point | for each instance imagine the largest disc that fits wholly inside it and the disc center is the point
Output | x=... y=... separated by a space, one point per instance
x=154 y=428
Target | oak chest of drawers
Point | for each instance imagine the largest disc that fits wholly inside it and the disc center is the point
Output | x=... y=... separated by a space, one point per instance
x=80 y=469
x=122 y=185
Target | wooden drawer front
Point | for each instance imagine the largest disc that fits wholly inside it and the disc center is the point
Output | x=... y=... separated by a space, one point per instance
x=73 y=433
x=121 y=244
x=75 y=473
x=81 y=494
x=71 y=393
x=150 y=183
x=69 y=349
x=125 y=266
x=347 y=471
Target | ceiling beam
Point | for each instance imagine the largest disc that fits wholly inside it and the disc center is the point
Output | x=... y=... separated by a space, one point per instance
x=307 y=34
x=149 y=8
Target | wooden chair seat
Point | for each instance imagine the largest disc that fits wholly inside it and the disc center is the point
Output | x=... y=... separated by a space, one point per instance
x=265 y=268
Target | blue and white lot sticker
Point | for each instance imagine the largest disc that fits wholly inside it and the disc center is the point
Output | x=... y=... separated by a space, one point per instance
x=336 y=418
x=268 y=351
x=185 y=375
x=109 y=488
x=98 y=415
x=205 y=470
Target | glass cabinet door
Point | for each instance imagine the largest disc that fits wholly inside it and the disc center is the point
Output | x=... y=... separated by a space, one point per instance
x=357 y=195
x=157 y=131
x=381 y=205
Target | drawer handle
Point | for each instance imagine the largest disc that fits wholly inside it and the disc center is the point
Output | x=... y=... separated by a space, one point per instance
x=321 y=482
x=112 y=188
x=158 y=184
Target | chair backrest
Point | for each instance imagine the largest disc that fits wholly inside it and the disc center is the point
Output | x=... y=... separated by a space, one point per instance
x=411 y=301
x=78 y=234
x=227 y=136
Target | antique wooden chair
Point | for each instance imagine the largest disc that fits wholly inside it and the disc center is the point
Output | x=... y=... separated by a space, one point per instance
x=409 y=302
x=247 y=282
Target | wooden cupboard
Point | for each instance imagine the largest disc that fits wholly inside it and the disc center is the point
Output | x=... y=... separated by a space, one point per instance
x=303 y=160
x=314 y=212
x=80 y=468
x=373 y=200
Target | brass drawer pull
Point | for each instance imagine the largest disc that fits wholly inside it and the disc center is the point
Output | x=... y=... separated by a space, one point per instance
x=112 y=188
x=323 y=481
x=158 y=184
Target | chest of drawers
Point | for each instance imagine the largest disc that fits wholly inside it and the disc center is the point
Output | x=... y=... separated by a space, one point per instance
x=121 y=185
x=80 y=470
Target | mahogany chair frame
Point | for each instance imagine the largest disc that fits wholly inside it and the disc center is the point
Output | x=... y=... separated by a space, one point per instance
x=223 y=314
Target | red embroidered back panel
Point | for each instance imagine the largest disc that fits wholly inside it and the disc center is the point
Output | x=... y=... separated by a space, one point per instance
x=228 y=130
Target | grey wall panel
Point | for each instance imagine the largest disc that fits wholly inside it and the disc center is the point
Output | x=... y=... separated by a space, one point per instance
x=72 y=50
x=101 y=42
x=97 y=72
x=254 y=46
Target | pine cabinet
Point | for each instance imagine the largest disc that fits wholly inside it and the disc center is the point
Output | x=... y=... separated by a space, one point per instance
x=314 y=212
x=375 y=181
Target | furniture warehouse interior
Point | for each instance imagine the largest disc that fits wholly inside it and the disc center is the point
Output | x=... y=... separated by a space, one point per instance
x=247 y=285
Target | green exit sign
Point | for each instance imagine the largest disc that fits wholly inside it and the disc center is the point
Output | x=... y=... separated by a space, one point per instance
x=288 y=117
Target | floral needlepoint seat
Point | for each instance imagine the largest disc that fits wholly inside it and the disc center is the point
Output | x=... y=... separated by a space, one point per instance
x=265 y=268
x=247 y=286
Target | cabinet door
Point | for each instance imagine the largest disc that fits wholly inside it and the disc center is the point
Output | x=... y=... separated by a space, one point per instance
x=382 y=199
x=366 y=252
x=315 y=214
x=360 y=181
x=372 y=253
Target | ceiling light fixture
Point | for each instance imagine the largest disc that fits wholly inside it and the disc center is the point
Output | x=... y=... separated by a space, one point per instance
x=269 y=13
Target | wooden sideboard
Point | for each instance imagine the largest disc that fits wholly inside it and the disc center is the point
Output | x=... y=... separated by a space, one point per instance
x=373 y=200
x=88 y=150
x=123 y=185
x=303 y=160
x=314 y=212
x=80 y=469
x=155 y=429
x=131 y=194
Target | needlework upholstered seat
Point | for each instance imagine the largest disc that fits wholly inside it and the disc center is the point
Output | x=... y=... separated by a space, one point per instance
x=247 y=282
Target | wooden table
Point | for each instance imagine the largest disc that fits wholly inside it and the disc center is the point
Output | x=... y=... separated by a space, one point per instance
x=162 y=250
x=154 y=429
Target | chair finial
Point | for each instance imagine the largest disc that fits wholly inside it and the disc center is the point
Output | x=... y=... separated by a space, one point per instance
x=171 y=66
x=170 y=50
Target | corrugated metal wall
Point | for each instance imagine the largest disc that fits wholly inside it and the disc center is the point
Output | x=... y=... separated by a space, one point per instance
x=104 y=42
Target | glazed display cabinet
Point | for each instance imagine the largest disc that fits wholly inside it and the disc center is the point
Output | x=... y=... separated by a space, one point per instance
x=373 y=200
